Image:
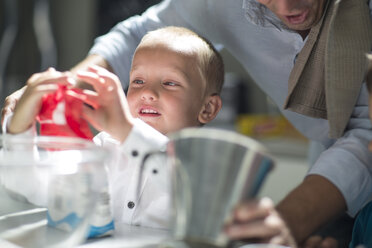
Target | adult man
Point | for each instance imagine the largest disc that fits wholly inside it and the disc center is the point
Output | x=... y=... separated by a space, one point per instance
x=274 y=40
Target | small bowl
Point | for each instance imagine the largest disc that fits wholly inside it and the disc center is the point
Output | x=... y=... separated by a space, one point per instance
x=48 y=189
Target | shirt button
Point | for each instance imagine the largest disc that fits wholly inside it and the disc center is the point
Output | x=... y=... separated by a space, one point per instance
x=134 y=153
x=130 y=204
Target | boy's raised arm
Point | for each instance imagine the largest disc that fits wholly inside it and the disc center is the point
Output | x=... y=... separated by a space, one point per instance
x=29 y=102
x=12 y=100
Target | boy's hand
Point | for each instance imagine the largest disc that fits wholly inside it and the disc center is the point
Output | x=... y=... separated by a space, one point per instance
x=110 y=111
x=29 y=104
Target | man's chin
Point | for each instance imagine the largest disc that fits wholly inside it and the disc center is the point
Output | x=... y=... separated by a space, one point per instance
x=298 y=27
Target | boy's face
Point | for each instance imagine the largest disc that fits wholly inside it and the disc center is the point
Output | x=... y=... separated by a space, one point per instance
x=297 y=15
x=166 y=88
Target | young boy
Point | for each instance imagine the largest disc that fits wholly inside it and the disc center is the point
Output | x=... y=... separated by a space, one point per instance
x=175 y=81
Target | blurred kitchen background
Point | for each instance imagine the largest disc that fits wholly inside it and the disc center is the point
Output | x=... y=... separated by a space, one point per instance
x=37 y=34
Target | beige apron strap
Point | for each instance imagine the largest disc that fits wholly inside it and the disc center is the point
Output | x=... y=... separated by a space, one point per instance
x=305 y=55
x=349 y=40
x=328 y=73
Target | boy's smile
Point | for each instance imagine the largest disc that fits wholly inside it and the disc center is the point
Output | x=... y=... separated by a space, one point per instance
x=148 y=111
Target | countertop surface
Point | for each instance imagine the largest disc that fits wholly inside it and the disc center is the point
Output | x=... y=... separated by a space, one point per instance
x=293 y=166
x=129 y=236
x=22 y=225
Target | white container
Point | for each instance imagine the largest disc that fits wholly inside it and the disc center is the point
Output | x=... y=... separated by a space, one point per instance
x=49 y=187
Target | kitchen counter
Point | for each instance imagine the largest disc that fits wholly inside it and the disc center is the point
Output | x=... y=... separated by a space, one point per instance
x=289 y=165
x=129 y=236
x=25 y=224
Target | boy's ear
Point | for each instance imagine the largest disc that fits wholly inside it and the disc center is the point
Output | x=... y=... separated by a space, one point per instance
x=210 y=109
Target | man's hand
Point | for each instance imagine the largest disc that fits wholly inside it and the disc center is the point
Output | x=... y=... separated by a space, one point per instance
x=312 y=204
x=319 y=242
x=11 y=102
x=258 y=221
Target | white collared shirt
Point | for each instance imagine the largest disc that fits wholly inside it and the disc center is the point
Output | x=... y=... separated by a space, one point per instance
x=267 y=51
x=148 y=206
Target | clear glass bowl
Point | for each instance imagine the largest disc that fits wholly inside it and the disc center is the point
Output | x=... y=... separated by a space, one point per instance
x=48 y=190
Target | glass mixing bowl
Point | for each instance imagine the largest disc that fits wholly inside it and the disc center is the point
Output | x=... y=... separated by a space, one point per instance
x=48 y=190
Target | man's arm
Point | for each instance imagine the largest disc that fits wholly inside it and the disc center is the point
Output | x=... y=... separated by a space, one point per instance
x=92 y=59
x=10 y=103
x=313 y=203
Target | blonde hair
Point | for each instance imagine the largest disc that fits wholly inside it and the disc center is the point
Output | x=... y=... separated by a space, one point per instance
x=210 y=60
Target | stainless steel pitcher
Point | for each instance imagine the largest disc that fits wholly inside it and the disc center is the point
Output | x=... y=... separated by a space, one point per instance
x=210 y=171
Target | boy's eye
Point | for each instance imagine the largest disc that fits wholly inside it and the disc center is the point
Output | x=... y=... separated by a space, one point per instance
x=138 y=81
x=170 y=84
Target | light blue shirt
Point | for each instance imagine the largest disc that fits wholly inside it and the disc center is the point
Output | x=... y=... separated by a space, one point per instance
x=267 y=50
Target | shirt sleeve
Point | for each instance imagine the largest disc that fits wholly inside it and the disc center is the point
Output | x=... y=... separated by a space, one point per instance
x=347 y=163
x=31 y=132
x=142 y=138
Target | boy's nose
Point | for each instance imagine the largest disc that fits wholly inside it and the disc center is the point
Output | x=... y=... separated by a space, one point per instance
x=149 y=94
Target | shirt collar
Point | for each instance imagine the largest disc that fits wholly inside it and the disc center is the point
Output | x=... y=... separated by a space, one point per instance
x=259 y=15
